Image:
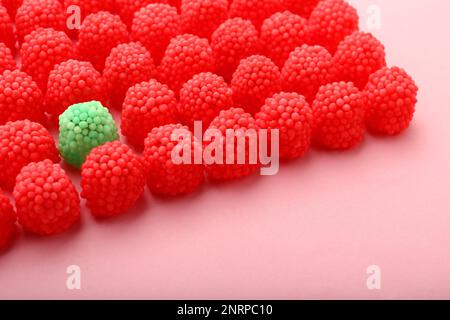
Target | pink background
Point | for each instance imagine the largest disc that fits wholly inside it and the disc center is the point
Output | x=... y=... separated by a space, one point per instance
x=309 y=232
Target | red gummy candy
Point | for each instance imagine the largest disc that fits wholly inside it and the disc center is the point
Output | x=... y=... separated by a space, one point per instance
x=338 y=112
x=255 y=10
x=112 y=179
x=20 y=97
x=358 y=56
x=203 y=97
x=185 y=56
x=331 y=21
x=12 y=6
x=147 y=105
x=233 y=40
x=202 y=17
x=47 y=202
x=256 y=78
x=301 y=7
x=127 y=8
x=35 y=14
x=391 y=99
x=282 y=33
x=165 y=177
x=291 y=115
x=308 y=68
x=126 y=65
x=6 y=29
x=240 y=122
x=154 y=26
x=42 y=50
x=22 y=142
x=99 y=33
x=72 y=82
x=7 y=61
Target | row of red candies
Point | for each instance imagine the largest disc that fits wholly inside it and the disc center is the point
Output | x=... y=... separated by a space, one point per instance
x=345 y=92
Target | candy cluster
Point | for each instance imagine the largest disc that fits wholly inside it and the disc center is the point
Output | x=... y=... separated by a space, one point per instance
x=300 y=68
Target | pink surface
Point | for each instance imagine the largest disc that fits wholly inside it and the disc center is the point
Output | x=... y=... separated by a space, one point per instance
x=309 y=232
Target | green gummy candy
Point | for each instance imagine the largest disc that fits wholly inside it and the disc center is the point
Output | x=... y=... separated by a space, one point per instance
x=83 y=127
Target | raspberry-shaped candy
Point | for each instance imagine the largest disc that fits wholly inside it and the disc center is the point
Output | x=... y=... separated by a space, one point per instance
x=147 y=105
x=202 y=17
x=331 y=21
x=73 y=82
x=291 y=115
x=301 y=7
x=7 y=222
x=7 y=61
x=244 y=158
x=282 y=33
x=391 y=99
x=47 y=202
x=203 y=97
x=11 y=6
x=255 y=79
x=308 y=68
x=185 y=56
x=98 y=34
x=233 y=40
x=127 y=8
x=255 y=10
x=83 y=127
x=22 y=142
x=6 y=29
x=154 y=26
x=165 y=175
x=127 y=64
x=35 y=14
x=112 y=179
x=358 y=56
x=338 y=112
x=42 y=50
x=20 y=97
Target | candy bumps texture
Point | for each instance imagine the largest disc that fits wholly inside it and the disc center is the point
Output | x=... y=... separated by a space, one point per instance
x=291 y=115
x=34 y=14
x=202 y=17
x=83 y=127
x=202 y=98
x=166 y=177
x=47 y=202
x=99 y=33
x=338 y=111
x=113 y=179
x=42 y=50
x=22 y=142
x=7 y=61
x=232 y=41
x=7 y=35
x=282 y=33
x=126 y=65
x=331 y=21
x=20 y=97
x=147 y=105
x=255 y=10
x=256 y=78
x=154 y=26
x=306 y=69
x=242 y=124
x=185 y=56
x=391 y=99
x=71 y=82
